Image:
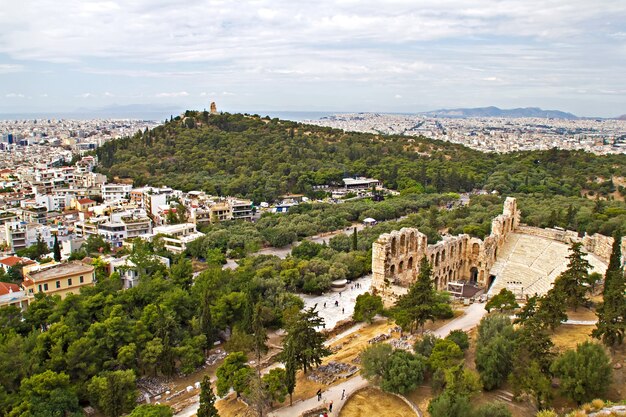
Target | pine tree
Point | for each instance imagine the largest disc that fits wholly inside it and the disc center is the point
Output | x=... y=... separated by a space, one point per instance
x=551 y=311
x=355 y=240
x=207 y=399
x=571 y=281
x=304 y=342
x=418 y=305
x=611 y=325
x=56 y=249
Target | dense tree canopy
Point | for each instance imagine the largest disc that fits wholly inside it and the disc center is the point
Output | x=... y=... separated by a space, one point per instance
x=235 y=154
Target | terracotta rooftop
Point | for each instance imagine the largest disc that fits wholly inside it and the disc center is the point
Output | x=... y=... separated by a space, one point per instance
x=85 y=201
x=14 y=260
x=6 y=288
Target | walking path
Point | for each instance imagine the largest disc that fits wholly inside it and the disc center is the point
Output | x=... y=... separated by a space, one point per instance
x=468 y=320
x=344 y=300
x=471 y=317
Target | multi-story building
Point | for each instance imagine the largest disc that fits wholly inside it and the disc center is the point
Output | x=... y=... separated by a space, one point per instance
x=15 y=235
x=53 y=201
x=241 y=209
x=58 y=279
x=116 y=192
x=34 y=214
x=201 y=216
x=176 y=236
x=220 y=212
x=116 y=227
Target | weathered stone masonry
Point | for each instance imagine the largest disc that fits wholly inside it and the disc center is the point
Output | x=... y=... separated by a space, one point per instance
x=396 y=256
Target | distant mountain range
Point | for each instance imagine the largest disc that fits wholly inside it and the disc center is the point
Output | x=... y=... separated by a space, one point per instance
x=497 y=112
x=622 y=117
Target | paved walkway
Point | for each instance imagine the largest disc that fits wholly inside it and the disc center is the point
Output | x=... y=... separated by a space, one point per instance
x=346 y=300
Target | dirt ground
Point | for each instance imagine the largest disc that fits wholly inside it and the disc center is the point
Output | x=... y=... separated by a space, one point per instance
x=351 y=347
x=582 y=314
x=372 y=402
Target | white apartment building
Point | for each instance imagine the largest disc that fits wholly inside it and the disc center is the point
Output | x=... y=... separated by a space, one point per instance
x=20 y=235
x=115 y=192
x=117 y=227
x=54 y=201
x=176 y=236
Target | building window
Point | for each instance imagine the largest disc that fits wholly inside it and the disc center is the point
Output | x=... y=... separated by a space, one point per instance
x=69 y=282
x=81 y=279
x=40 y=288
x=45 y=287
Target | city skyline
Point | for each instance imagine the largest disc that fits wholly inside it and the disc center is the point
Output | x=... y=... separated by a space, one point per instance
x=329 y=56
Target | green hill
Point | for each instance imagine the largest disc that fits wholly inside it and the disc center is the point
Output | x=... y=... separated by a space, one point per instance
x=248 y=156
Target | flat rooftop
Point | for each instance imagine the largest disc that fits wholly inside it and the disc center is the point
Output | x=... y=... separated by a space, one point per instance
x=60 y=271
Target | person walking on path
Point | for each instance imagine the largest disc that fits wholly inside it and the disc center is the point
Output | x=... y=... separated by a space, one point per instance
x=330 y=406
x=319 y=394
x=343 y=394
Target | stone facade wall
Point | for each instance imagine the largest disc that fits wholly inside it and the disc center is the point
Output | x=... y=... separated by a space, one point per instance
x=601 y=246
x=396 y=256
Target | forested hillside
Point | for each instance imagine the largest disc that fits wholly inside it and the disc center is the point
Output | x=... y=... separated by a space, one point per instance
x=260 y=159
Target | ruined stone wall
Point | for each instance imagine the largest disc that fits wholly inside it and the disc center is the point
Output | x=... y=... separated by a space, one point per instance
x=602 y=246
x=396 y=256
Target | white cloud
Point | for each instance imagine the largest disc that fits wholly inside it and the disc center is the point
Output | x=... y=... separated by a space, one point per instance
x=108 y=94
x=7 y=68
x=14 y=95
x=204 y=30
x=397 y=96
x=86 y=95
x=174 y=94
x=433 y=49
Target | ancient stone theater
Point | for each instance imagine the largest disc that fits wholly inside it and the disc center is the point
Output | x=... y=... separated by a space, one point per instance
x=524 y=259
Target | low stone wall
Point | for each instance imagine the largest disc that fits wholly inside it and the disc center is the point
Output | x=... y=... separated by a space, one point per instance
x=565 y=236
x=597 y=244
x=413 y=407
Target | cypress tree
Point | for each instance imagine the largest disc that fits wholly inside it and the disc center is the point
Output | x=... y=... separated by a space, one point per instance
x=207 y=399
x=355 y=240
x=56 y=249
x=611 y=325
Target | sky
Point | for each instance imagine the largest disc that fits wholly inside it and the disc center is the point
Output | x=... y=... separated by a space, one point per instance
x=339 y=55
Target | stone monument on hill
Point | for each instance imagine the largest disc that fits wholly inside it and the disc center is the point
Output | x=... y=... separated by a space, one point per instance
x=213 y=108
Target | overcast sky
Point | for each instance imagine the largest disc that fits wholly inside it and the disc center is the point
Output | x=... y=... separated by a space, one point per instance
x=341 y=55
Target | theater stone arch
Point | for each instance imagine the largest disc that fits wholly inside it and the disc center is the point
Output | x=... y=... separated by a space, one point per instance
x=396 y=256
